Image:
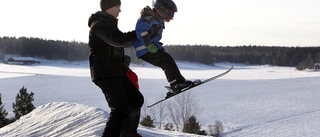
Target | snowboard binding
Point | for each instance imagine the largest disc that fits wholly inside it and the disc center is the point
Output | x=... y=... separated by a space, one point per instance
x=171 y=92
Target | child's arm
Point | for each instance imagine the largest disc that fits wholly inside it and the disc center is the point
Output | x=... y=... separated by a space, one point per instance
x=145 y=31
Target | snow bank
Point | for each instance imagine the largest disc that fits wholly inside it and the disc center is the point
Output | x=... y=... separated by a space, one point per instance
x=59 y=119
x=62 y=119
x=250 y=101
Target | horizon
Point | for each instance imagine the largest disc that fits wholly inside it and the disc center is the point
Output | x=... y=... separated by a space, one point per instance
x=172 y=44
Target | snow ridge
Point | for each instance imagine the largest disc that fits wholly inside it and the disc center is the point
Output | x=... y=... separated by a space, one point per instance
x=63 y=119
x=59 y=119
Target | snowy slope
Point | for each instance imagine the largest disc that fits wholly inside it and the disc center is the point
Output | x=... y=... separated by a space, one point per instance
x=62 y=119
x=58 y=119
x=250 y=101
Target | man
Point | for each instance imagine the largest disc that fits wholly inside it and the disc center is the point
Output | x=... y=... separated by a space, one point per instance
x=106 y=44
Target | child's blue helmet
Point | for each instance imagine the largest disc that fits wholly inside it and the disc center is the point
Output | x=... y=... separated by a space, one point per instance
x=165 y=8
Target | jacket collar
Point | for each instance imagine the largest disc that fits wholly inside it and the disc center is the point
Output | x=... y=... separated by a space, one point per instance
x=147 y=11
x=100 y=15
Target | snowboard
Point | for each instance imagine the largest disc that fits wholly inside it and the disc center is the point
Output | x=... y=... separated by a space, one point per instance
x=196 y=83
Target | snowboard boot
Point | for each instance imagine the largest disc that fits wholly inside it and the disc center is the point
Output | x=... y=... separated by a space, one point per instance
x=177 y=87
x=182 y=85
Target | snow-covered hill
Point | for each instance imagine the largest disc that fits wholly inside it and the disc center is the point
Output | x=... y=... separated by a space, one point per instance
x=63 y=119
x=58 y=119
x=250 y=101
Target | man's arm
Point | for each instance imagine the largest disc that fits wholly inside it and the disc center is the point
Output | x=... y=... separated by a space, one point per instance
x=101 y=34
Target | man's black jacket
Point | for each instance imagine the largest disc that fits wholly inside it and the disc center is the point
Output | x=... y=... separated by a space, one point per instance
x=106 y=44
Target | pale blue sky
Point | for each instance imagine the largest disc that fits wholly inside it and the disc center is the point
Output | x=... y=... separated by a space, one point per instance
x=212 y=22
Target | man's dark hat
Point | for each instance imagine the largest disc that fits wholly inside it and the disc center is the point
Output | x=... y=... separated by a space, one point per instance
x=107 y=4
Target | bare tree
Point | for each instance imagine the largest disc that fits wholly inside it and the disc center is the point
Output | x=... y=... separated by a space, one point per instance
x=144 y=109
x=159 y=113
x=215 y=130
x=173 y=115
x=182 y=107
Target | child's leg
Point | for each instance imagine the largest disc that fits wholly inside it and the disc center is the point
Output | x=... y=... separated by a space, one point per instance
x=166 y=62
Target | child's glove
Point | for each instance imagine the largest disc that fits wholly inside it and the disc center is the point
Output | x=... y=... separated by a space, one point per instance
x=152 y=48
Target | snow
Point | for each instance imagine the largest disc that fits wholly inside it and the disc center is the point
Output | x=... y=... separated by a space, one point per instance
x=59 y=119
x=69 y=120
x=250 y=101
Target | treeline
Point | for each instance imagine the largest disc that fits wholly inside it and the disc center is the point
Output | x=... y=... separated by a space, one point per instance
x=48 y=49
x=300 y=57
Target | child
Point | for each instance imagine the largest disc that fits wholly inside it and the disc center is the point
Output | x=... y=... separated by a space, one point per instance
x=148 y=48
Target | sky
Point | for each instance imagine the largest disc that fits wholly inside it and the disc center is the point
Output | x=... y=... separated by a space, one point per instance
x=205 y=22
